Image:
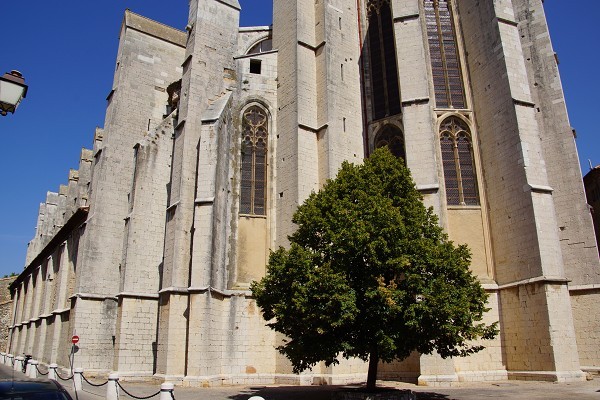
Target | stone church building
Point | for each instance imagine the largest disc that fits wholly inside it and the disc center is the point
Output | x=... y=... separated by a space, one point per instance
x=214 y=135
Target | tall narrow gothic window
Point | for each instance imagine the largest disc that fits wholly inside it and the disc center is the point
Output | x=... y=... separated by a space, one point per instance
x=391 y=137
x=385 y=99
x=457 y=158
x=445 y=63
x=253 y=193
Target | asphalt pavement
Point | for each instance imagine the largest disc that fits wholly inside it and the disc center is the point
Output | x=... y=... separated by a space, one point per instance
x=514 y=390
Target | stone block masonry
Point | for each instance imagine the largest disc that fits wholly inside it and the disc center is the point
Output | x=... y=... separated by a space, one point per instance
x=147 y=254
x=6 y=310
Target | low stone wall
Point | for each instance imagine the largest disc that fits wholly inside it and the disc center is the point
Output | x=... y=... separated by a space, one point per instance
x=5 y=310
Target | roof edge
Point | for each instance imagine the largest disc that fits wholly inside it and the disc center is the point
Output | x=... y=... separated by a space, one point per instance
x=154 y=28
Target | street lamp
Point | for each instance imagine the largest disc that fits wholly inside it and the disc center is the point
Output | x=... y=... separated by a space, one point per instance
x=12 y=90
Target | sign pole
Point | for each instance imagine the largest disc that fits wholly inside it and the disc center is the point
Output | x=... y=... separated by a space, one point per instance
x=74 y=341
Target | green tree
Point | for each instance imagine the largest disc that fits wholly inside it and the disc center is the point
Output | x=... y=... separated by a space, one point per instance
x=370 y=274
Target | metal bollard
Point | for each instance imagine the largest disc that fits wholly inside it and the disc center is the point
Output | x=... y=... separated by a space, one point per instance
x=33 y=373
x=52 y=371
x=9 y=359
x=2 y=358
x=256 y=398
x=112 y=390
x=28 y=367
x=78 y=378
x=165 y=391
x=18 y=363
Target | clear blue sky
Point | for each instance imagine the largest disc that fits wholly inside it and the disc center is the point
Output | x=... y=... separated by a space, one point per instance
x=66 y=51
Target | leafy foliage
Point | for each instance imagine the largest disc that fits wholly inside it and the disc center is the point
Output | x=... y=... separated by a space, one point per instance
x=370 y=273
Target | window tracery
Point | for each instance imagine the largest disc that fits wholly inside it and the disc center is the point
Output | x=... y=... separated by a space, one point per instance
x=385 y=96
x=391 y=137
x=457 y=158
x=443 y=50
x=375 y=6
x=253 y=192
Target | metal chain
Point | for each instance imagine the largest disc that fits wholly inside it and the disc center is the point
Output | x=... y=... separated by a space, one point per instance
x=64 y=379
x=40 y=372
x=93 y=384
x=136 y=397
x=172 y=395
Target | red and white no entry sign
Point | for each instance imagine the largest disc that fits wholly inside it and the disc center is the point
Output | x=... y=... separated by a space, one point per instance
x=75 y=339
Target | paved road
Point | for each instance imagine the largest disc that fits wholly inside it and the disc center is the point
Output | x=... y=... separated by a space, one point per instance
x=514 y=390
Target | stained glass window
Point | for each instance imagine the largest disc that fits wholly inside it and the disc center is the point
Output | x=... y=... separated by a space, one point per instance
x=391 y=137
x=445 y=64
x=253 y=188
x=457 y=159
x=385 y=98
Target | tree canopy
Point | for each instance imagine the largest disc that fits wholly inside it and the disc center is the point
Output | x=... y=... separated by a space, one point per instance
x=369 y=273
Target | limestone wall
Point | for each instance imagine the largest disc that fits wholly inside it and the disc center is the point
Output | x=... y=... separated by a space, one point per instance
x=490 y=363
x=574 y=222
x=146 y=64
x=195 y=254
x=253 y=236
x=149 y=59
x=586 y=318
x=154 y=278
x=142 y=263
x=6 y=311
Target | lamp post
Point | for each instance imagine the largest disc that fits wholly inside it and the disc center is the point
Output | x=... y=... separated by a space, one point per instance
x=12 y=90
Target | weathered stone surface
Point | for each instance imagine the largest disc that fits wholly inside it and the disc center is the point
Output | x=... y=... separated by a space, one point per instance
x=6 y=311
x=146 y=254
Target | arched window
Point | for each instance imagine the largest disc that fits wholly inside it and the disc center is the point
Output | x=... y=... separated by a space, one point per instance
x=445 y=63
x=262 y=46
x=255 y=130
x=385 y=97
x=391 y=137
x=457 y=158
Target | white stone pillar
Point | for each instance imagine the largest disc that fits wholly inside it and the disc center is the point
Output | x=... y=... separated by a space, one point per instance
x=112 y=389
x=33 y=373
x=52 y=371
x=9 y=360
x=18 y=366
x=28 y=366
x=165 y=391
x=78 y=379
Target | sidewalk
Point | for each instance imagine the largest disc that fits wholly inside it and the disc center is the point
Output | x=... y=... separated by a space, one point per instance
x=514 y=390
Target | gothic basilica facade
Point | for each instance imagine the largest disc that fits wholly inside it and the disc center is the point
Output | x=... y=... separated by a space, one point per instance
x=214 y=135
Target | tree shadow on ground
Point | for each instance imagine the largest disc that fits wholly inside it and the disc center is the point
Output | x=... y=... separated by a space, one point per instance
x=287 y=392
x=324 y=392
x=432 y=396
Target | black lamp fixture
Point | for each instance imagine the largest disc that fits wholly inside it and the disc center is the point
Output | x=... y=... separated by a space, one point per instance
x=12 y=90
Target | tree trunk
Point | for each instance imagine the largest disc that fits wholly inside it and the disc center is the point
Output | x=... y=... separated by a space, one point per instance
x=372 y=377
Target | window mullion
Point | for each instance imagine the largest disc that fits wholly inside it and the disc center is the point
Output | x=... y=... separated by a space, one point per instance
x=253 y=175
x=459 y=183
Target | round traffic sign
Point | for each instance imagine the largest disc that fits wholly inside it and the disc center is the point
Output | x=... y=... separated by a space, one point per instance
x=75 y=339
